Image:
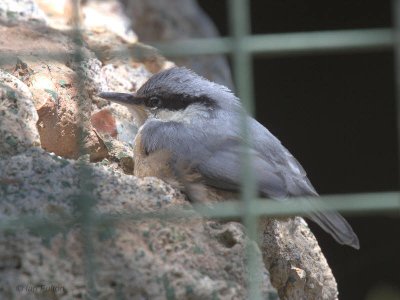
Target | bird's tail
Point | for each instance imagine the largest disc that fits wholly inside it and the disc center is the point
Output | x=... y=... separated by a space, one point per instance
x=330 y=221
x=334 y=224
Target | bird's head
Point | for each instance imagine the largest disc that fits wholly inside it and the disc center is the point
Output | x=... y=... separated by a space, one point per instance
x=176 y=93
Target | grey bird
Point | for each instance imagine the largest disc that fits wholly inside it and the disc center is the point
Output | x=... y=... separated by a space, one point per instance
x=196 y=121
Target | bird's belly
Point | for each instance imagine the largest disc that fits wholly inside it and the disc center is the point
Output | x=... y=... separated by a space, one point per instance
x=155 y=164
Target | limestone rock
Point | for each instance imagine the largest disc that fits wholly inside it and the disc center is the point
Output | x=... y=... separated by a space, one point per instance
x=56 y=97
x=157 y=21
x=109 y=15
x=298 y=268
x=13 y=11
x=142 y=259
x=18 y=116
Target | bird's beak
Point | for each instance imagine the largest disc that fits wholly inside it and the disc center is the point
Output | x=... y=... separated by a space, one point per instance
x=122 y=98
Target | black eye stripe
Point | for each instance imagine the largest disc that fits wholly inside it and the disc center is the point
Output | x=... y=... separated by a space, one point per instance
x=173 y=102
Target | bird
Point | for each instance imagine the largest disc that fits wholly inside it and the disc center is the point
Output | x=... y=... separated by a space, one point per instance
x=195 y=124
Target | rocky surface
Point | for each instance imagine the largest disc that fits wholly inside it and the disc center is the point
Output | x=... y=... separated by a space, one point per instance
x=48 y=103
x=14 y=11
x=143 y=259
x=298 y=268
x=18 y=116
x=181 y=19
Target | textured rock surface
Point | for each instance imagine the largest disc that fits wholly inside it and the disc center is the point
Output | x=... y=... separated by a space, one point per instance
x=55 y=86
x=168 y=21
x=14 y=11
x=55 y=94
x=146 y=259
x=298 y=268
x=18 y=116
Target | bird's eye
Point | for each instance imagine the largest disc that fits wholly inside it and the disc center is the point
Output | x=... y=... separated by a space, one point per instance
x=154 y=102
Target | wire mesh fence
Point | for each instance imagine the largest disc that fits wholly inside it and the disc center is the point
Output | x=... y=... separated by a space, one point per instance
x=241 y=45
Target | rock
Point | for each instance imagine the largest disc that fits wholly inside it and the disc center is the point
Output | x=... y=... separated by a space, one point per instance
x=56 y=94
x=45 y=45
x=146 y=259
x=110 y=16
x=124 y=78
x=59 y=132
x=18 y=116
x=298 y=268
x=157 y=21
x=105 y=125
x=104 y=122
x=14 y=11
x=94 y=16
x=181 y=19
x=56 y=88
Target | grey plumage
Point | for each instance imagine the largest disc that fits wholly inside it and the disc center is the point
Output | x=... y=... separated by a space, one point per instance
x=198 y=121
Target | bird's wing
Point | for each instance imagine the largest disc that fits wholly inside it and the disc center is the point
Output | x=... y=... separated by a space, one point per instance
x=222 y=169
x=215 y=155
x=218 y=157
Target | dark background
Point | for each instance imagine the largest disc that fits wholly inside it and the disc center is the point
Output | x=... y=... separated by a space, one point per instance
x=337 y=115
